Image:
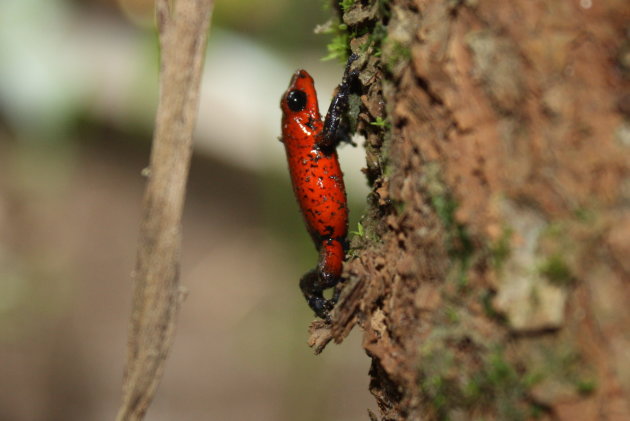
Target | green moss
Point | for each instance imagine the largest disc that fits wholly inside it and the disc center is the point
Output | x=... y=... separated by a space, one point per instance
x=566 y=365
x=354 y=108
x=488 y=308
x=394 y=53
x=384 y=6
x=498 y=371
x=444 y=208
x=339 y=45
x=368 y=228
x=374 y=31
x=360 y=232
x=381 y=122
x=586 y=387
x=399 y=206
x=556 y=230
x=559 y=369
x=500 y=251
x=584 y=215
x=452 y=315
x=346 y=4
x=494 y=386
x=437 y=383
x=555 y=269
x=537 y=411
x=500 y=385
x=532 y=378
x=382 y=159
x=458 y=243
x=376 y=38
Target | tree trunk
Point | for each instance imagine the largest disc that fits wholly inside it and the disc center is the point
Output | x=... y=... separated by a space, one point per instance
x=491 y=272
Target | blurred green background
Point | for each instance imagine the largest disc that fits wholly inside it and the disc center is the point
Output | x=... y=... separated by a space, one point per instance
x=78 y=89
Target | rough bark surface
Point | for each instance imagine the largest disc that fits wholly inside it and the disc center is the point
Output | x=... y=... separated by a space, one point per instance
x=492 y=274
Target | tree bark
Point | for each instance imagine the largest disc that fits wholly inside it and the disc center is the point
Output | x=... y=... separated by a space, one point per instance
x=491 y=275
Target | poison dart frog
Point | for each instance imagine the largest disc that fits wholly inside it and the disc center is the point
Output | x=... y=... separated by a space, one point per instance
x=310 y=146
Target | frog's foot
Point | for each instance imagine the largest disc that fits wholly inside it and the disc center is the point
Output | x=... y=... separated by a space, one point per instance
x=313 y=287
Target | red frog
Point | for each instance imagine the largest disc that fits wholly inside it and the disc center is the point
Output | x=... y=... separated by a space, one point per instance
x=317 y=181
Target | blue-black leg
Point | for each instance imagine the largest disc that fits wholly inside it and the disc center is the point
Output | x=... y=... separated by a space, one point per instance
x=313 y=287
x=338 y=108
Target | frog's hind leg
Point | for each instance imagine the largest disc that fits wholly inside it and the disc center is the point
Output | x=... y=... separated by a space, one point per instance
x=313 y=291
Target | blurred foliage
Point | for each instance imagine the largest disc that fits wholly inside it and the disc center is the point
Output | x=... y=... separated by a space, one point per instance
x=78 y=83
x=46 y=83
x=286 y=24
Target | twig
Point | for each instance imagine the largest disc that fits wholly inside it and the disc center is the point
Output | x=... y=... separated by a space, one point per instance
x=183 y=27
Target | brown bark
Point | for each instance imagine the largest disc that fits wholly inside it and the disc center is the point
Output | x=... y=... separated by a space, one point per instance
x=493 y=274
x=157 y=294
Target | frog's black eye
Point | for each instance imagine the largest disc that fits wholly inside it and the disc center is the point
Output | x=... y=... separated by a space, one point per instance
x=296 y=100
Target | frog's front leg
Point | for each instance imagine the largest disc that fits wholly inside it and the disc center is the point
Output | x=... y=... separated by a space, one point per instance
x=333 y=123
